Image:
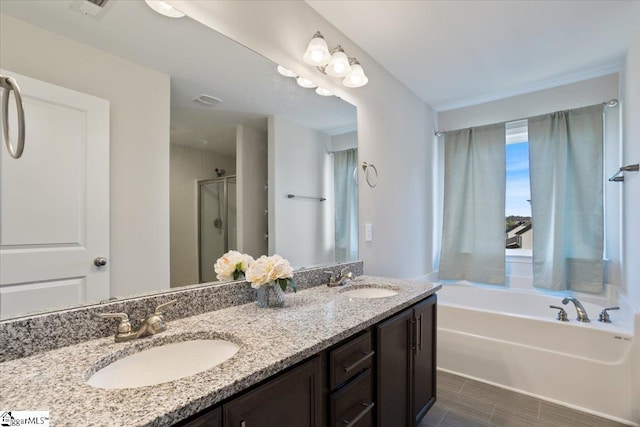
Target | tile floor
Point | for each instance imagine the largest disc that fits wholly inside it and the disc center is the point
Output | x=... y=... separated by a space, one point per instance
x=467 y=403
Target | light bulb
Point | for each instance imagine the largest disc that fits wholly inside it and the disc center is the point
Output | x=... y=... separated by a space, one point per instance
x=317 y=52
x=339 y=64
x=356 y=77
x=317 y=55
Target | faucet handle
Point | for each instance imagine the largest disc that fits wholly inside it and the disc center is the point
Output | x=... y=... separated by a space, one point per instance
x=330 y=274
x=562 y=315
x=604 y=316
x=124 y=327
x=166 y=304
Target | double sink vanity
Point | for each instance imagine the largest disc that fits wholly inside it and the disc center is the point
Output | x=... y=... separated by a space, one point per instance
x=356 y=355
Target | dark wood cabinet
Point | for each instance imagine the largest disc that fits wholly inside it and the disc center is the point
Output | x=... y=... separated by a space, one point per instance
x=209 y=418
x=351 y=367
x=424 y=359
x=293 y=399
x=384 y=376
x=405 y=346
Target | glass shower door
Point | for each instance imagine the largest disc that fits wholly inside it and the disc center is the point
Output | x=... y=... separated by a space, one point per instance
x=217 y=223
x=212 y=235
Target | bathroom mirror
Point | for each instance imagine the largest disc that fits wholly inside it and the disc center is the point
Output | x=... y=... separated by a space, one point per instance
x=232 y=142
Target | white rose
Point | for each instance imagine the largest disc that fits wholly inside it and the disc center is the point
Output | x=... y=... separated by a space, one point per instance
x=281 y=269
x=258 y=272
x=227 y=263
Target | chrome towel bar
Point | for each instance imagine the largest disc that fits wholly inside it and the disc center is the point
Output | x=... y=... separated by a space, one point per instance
x=629 y=168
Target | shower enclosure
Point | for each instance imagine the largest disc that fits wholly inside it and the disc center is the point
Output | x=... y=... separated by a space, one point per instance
x=217 y=223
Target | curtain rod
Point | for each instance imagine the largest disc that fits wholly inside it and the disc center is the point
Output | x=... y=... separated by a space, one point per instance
x=609 y=103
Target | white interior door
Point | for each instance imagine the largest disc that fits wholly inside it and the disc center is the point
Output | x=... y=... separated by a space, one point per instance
x=54 y=201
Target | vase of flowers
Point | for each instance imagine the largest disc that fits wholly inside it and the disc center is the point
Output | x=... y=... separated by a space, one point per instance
x=270 y=276
x=232 y=266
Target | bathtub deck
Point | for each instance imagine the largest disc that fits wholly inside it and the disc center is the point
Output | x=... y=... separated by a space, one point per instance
x=467 y=403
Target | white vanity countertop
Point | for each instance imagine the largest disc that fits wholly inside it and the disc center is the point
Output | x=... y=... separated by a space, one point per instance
x=270 y=339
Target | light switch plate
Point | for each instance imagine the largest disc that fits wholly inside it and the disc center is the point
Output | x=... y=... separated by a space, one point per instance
x=368 y=232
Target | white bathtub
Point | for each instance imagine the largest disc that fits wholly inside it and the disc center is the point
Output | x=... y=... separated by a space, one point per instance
x=511 y=338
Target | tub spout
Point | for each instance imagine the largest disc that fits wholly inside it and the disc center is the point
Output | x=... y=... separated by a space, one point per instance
x=582 y=313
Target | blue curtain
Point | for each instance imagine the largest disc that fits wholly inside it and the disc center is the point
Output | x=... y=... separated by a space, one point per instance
x=565 y=164
x=473 y=235
x=346 y=204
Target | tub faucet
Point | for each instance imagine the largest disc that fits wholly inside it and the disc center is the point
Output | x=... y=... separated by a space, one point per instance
x=582 y=313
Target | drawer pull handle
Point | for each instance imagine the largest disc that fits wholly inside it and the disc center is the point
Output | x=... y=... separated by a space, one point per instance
x=367 y=408
x=359 y=361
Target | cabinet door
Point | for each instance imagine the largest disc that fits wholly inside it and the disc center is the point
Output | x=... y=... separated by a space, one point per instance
x=424 y=360
x=292 y=399
x=393 y=348
x=212 y=418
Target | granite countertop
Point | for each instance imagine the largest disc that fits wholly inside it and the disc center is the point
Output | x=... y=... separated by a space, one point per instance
x=270 y=340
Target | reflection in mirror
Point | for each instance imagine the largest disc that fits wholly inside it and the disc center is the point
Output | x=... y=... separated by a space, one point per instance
x=180 y=108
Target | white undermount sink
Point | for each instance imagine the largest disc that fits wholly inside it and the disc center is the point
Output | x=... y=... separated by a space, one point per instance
x=165 y=363
x=370 y=292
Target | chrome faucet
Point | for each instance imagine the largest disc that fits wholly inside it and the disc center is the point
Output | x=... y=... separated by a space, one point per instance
x=582 y=313
x=153 y=324
x=342 y=279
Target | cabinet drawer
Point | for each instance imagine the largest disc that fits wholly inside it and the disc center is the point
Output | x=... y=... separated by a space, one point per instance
x=350 y=358
x=353 y=404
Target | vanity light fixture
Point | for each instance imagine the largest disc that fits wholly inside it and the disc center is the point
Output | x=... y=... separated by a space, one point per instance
x=286 y=72
x=164 y=9
x=356 y=76
x=339 y=64
x=306 y=83
x=334 y=62
x=317 y=52
x=323 y=92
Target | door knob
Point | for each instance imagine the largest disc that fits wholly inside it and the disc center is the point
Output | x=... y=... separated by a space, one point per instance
x=100 y=261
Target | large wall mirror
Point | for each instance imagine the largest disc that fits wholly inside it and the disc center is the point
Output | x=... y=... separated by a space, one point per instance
x=251 y=161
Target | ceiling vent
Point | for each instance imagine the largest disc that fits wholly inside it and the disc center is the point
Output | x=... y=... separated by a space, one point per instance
x=93 y=8
x=207 y=100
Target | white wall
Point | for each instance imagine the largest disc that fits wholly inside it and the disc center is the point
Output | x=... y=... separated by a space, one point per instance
x=344 y=141
x=188 y=166
x=300 y=230
x=251 y=162
x=139 y=143
x=630 y=98
x=574 y=95
x=395 y=127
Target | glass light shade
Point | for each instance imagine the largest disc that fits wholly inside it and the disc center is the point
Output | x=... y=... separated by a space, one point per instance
x=339 y=65
x=286 y=72
x=356 y=77
x=317 y=52
x=306 y=83
x=323 y=92
x=164 y=8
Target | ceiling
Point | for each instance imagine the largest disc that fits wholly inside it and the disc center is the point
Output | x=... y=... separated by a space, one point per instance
x=458 y=53
x=199 y=60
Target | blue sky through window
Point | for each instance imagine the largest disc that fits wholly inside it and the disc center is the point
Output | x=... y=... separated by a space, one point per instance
x=518 y=190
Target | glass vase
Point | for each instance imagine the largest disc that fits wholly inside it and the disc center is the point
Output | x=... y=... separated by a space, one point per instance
x=270 y=295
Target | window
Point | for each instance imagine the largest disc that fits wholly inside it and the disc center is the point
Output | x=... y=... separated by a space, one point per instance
x=518 y=226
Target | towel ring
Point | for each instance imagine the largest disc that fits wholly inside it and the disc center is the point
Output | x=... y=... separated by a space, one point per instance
x=9 y=84
x=367 y=167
